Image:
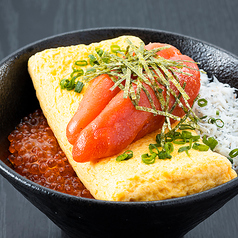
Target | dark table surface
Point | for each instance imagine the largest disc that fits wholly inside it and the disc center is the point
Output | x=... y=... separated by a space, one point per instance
x=25 y=21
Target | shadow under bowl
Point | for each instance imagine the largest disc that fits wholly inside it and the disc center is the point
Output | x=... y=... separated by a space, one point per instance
x=81 y=217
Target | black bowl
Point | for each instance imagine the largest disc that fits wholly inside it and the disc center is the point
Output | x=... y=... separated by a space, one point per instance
x=81 y=217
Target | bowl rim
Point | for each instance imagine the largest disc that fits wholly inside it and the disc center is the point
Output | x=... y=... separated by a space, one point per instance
x=10 y=174
x=48 y=38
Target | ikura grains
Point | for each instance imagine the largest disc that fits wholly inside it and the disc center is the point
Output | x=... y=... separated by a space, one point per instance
x=36 y=155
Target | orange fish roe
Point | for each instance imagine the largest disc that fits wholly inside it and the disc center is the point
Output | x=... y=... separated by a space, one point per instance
x=36 y=155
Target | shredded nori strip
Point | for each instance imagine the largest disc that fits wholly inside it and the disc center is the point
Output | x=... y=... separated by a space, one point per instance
x=135 y=67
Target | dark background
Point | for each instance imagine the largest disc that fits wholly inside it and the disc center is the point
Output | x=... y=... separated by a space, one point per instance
x=25 y=21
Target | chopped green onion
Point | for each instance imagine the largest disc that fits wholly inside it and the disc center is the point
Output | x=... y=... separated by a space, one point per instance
x=63 y=83
x=179 y=142
x=195 y=138
x=186 y=151
x=233 y=153
x=186 y=135
x=81 y=63
x=211 y=120
x=79 y=87
x=231 y=160
x=148 y=159
x=211 y=142
x=202 y=102
x=71 y=85
x=219 y=123
x=168 y=147
x=183 y=148
x=217 y=113
x=77 y=73
x=153 y=146
x=186 y=126
x=92 y=60
x=170 y=137
x=164 y=155
x=115 y=48
x=203 y=117
x=200 y=147
x=158 y=139
x=99 y=51
x=125 y=156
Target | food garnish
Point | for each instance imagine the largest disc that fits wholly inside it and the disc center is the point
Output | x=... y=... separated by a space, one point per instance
x=202 y=102
x=135 y=65
x=125 y=156
x=211 y=142
x=219 y=122
x=180 y=138
x=152 y=83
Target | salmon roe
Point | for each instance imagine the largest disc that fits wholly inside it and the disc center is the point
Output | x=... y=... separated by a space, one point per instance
x=36 y=155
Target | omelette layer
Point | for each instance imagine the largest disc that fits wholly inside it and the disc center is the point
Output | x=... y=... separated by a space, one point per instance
x=129 y=180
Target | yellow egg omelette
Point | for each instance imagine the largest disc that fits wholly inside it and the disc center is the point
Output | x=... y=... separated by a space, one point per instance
x=107 y=179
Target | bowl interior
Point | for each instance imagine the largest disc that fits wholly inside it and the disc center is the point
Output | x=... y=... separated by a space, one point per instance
x=17 y=99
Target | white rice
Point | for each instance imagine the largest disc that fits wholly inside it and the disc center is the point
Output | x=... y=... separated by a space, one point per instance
x=220 y=97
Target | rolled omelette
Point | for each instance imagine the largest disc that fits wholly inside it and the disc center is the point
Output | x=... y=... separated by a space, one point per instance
x=107 y=179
